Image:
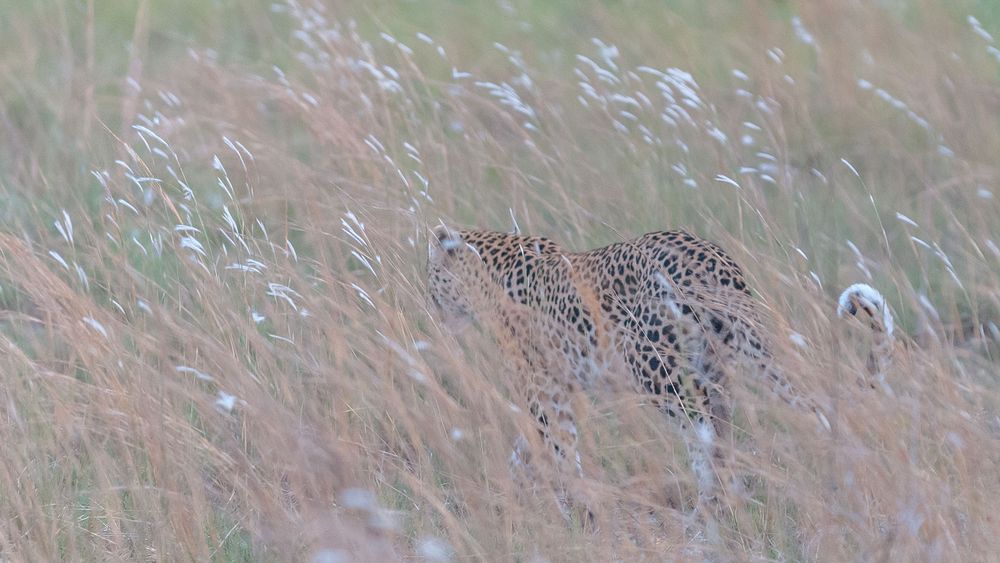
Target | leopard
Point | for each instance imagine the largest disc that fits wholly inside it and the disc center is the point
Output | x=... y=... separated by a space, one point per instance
x=671 y=312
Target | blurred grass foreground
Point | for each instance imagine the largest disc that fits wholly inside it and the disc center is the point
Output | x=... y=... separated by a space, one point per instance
x=214 y=343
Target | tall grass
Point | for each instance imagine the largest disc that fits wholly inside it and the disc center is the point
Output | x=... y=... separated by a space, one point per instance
x=215 y=341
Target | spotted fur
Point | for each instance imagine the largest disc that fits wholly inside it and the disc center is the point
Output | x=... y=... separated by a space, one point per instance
x=670 y=309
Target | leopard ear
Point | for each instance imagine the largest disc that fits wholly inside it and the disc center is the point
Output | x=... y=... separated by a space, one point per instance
x=444 y=239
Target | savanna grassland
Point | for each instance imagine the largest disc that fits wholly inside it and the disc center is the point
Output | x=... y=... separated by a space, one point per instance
x=214 y=341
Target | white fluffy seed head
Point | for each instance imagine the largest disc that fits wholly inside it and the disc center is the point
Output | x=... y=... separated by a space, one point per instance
x=706 y=434
x=434 y=549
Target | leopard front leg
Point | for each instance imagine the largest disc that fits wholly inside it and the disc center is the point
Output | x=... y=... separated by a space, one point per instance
x=560 y=465
x=551 y=408
x=552 y=414
x=545 y=385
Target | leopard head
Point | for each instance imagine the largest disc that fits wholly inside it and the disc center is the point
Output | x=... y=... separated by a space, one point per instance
x=454 y=277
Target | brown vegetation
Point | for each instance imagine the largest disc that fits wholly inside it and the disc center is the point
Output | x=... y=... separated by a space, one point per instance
x=213 y=337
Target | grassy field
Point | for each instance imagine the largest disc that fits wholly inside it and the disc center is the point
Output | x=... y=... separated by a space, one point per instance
x=214 y=343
